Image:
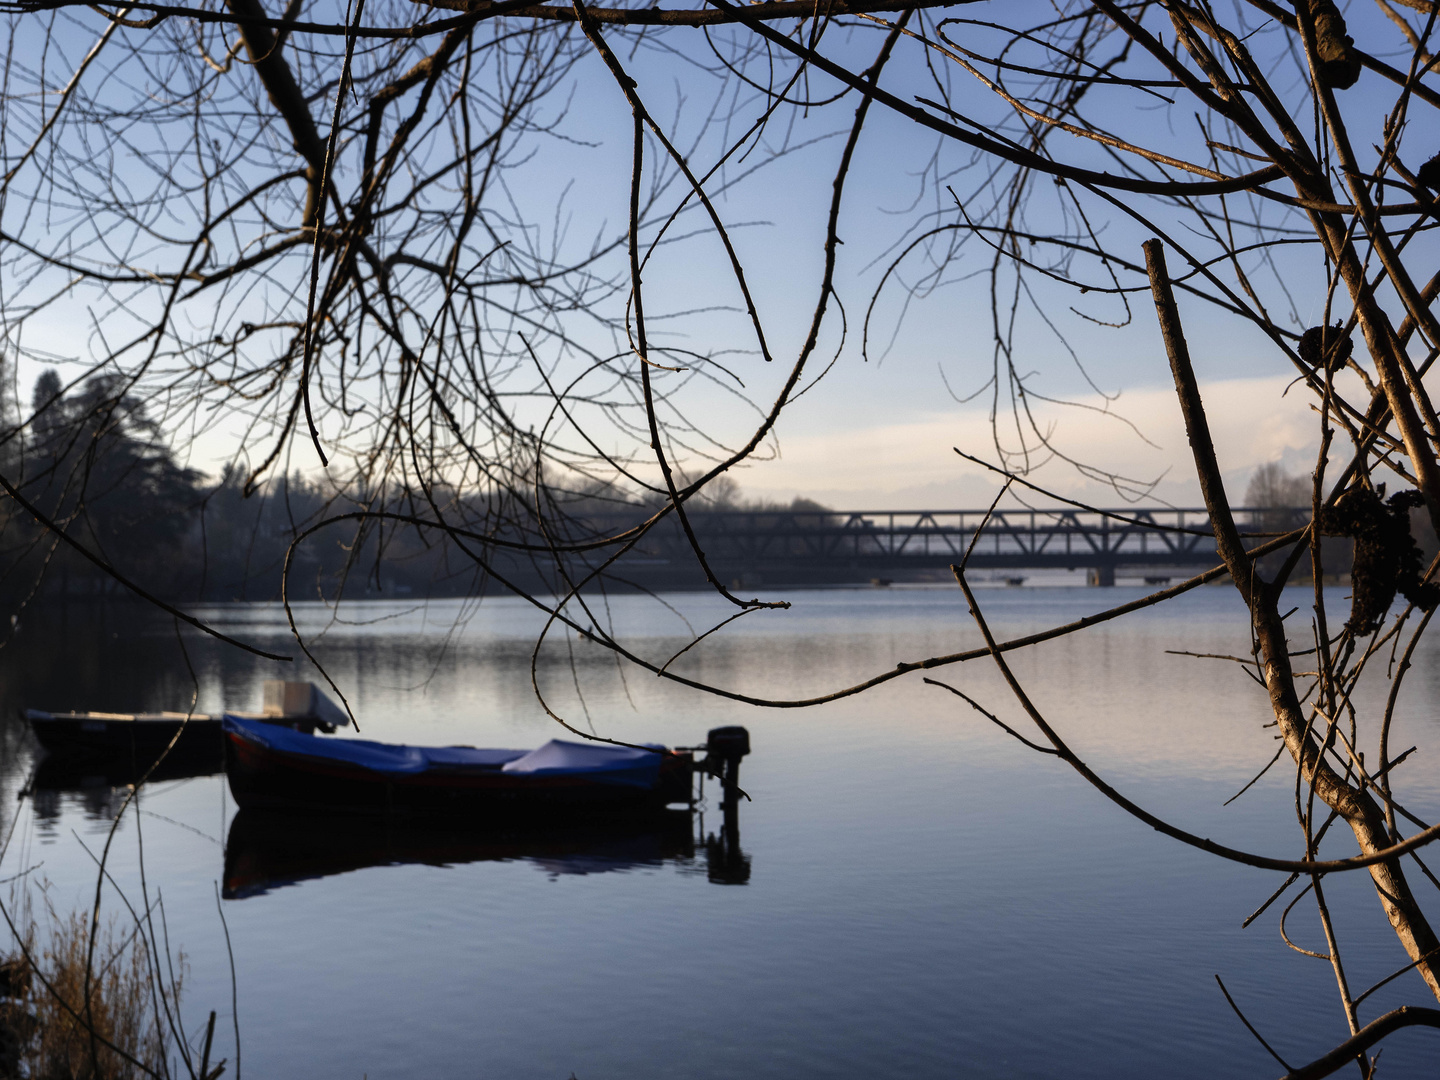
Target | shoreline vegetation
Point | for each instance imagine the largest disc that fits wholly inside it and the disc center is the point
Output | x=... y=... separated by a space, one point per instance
x=98 y=466
x=95 y=464
x=71 y=1009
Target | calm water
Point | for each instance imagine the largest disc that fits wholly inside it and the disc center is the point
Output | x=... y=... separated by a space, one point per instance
x=926 y=898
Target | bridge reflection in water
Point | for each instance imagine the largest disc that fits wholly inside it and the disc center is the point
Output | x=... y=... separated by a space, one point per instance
x=803 y=545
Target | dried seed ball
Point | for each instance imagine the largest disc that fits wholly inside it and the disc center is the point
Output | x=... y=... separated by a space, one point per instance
x=1339 y=64
x=1429 y=173
x=1326 y=346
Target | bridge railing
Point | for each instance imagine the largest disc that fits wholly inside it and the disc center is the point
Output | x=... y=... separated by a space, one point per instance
x=1012 y=536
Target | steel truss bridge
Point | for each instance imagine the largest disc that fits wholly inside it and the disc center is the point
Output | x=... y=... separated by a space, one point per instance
x=862 y=543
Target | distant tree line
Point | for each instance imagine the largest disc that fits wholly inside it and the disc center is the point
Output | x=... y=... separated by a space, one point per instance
x=94 y=464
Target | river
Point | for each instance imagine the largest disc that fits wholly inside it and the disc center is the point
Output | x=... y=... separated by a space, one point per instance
x=920 y=895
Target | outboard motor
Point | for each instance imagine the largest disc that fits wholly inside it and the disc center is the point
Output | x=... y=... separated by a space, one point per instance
x=724 y=747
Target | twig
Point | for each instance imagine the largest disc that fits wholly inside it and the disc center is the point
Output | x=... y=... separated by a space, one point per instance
x=1249 y=1026
x=234 y=984
x=993 y=718
x=1278 y=751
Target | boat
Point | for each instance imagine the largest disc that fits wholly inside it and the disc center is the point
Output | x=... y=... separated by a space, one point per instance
x=128 y=744
x=276 y=768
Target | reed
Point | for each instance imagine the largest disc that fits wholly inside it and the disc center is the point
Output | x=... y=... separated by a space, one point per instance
x=68 y=1012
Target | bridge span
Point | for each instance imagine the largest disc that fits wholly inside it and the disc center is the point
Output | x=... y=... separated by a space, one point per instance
x=810 y=544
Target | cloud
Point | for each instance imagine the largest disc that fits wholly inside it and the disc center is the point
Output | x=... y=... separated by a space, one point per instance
x=911 y=464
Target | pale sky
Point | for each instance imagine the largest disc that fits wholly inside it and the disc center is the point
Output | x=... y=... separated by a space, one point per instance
x=877 y=433
x=909 y=464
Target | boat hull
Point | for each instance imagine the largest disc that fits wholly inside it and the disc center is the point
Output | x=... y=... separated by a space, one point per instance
x=128 y=744
x=132 y=745
x=263 y=778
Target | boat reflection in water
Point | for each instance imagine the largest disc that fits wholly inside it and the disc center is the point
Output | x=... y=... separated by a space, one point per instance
x=76 y=773
x=268 y=850
x=100 y=786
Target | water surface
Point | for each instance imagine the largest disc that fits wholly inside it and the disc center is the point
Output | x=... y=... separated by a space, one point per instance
x=926 y=896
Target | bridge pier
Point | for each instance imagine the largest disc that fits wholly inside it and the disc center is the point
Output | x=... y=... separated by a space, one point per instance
x=1101 y=575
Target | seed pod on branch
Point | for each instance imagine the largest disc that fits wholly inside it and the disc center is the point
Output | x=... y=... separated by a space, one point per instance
x=1339 y=64
x=1326 y=347
x=1386 y=557
x=1429 y=174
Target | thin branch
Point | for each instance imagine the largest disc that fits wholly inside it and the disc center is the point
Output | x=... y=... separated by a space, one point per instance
x=993 y=718
x=1364 y=1039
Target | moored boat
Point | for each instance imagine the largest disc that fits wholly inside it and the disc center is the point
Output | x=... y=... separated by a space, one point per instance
x=132 y=742
x=271 y=767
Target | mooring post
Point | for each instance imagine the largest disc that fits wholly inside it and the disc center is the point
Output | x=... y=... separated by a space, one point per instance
x=1103 y=575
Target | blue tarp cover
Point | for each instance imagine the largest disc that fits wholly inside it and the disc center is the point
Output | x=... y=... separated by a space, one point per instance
x=605 y=763
x=381 y=757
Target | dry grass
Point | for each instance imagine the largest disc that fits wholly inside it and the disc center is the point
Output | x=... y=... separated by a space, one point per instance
x=64 y=1025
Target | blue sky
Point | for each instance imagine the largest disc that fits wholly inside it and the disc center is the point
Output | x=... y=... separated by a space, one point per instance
x=877 y=433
